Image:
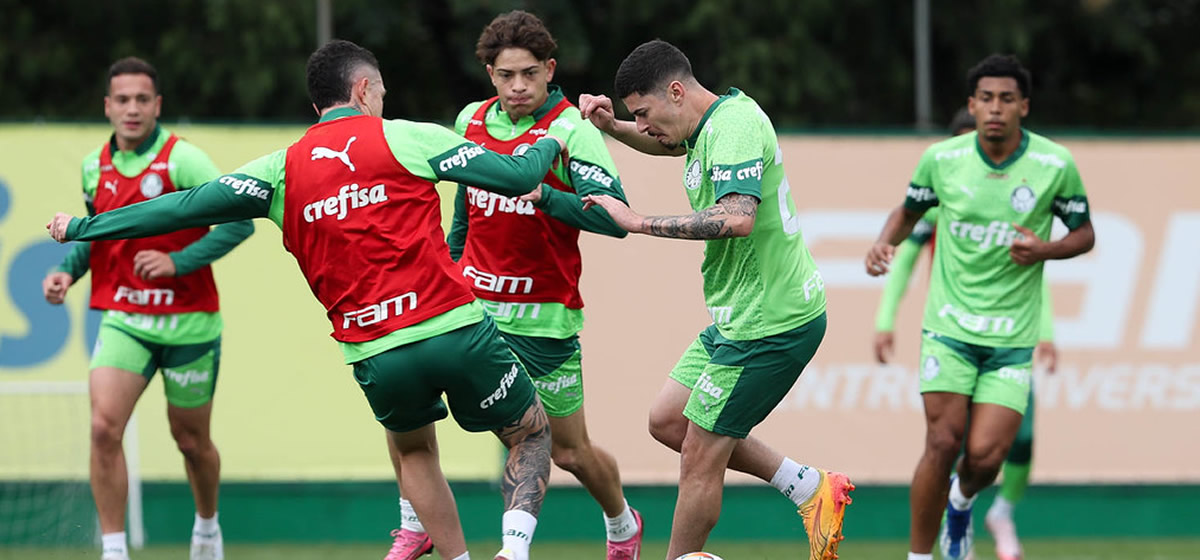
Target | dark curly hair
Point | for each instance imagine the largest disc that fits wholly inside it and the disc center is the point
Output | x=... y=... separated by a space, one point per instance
x=330 y=69
x=515 y=29
x=649 y=67
x=1000 y=66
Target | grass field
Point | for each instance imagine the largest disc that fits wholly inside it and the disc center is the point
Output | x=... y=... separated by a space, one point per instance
x=729 y=550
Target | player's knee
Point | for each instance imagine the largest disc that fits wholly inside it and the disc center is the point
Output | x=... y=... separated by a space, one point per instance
x=944 y=444
x=668 y=429
x=106 y=434
x=568 y=458
x=986 y=459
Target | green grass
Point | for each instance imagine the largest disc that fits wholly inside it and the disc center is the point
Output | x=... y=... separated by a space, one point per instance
x=1042 y=549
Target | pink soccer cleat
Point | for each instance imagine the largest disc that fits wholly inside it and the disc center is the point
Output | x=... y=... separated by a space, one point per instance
x=409 y=545
x=630 y=549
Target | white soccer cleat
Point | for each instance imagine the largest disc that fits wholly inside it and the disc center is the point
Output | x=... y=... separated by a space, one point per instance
x=1004 y=532
x=207 y=546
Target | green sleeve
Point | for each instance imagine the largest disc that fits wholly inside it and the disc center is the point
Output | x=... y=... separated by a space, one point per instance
x=231 y=198
x=214 y=245
x=591 y=171
x=1070 y=199
x=434 y=153
x=1046 y=326
x=457 y=239
x=899 y=274
x=736 y=144
x=921 y=194
x=77 y=261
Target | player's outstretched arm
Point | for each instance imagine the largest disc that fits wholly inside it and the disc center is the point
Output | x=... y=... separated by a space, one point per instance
x=599 y=110
x=227 y=199
x=514 y=175
x=732 y=216
x=898 y=226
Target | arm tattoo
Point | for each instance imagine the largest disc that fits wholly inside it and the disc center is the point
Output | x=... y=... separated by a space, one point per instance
x=528 y=467
x=710 y=223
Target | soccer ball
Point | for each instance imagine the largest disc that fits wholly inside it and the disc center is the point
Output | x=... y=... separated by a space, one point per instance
x=699 y=556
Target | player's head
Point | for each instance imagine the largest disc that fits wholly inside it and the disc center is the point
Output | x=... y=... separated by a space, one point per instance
x=999 y=96
x=962 y=122
x=654 y=81
x=132 y=103
x=342 y=73
x=516 y=47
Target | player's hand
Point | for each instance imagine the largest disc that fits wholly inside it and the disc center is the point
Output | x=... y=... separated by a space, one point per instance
x=55 y=285
x=879 y=257
x=885 y=344
x=1046 y=354
x=534 y=196
x=1027 y=248
x=599 y=110
x=152 y=265
x=58 y=226
x=621 y=213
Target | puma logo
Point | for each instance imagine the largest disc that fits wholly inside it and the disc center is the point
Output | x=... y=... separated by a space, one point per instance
x=112 y=186
x=321 y=152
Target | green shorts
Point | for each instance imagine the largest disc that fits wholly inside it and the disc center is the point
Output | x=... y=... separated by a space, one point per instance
x=483 y=381
x=189 y=370
x=737 y=383
x=993 y=375
x=556 y=367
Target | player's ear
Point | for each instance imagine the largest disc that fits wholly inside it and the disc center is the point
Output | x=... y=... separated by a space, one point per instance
x=1024 y=107
x=551 y=64
x=157 y=106
x=676 y=91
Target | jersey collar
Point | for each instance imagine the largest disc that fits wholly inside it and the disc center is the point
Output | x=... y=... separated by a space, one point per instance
x=1020 y=151
x=695 y=138
x=339 y=113
x=143 y=147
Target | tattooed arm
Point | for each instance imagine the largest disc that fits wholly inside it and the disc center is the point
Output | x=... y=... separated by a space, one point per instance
x=732 y=216
x=528 y=467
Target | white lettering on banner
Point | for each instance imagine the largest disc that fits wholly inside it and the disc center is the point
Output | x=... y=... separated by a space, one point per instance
x=247 y=186
x=507 y=309
x=977 y=323
x=491 y=202
x=1108 y=275
x=459 y=159
x=145 y=296
x=1116 y=388
x=1171 y=319
x=497 y=283
x=185 y=378
x=349 y=197
x=502 y=391
x=372 y=314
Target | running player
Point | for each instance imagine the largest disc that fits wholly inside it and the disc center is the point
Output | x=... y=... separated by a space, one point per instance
x=998 y=189
x=160 y=306
x=1014 y=474
x=356 y=202
x=761 y=287
x=522 y=258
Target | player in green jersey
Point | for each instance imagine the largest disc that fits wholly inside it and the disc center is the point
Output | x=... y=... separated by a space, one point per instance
x=998 y=190
x=762 y=289
x=355 y=243
x=1015 y=472
x=542 y=330
x=131 y=346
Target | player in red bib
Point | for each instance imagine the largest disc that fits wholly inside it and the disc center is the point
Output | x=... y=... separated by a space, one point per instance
x=355 y=199
x=159 y=302
x=521 y=257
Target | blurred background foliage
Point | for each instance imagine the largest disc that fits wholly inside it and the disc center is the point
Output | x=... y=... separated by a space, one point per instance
x=1097 y=64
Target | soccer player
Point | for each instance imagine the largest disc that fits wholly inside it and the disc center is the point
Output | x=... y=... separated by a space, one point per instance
x=997 y=189
x=521 y=257
x=160 y=305
x=761 y=287
x=355 y=199
x=1016 y=468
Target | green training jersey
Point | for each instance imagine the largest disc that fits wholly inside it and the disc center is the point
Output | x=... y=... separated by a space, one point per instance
x=258 y=189
x=766 y=283
x=592 y=171
x=977 y=293
x=187 y=167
